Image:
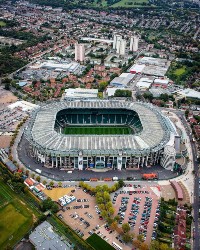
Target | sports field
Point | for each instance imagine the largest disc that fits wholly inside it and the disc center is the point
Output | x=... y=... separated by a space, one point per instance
x=15 y=218
x=130 y=3
x=97 y=130
x=98 y=243
x=2 y=24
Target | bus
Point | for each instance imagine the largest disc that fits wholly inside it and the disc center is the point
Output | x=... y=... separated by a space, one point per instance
x=151 y=176
x=116 y=246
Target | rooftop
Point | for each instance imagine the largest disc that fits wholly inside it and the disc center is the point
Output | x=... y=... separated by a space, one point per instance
x=43 y=237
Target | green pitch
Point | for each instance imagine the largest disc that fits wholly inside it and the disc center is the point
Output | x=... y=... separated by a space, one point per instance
x=97 y=130
x=15 y=218
x=98 y=243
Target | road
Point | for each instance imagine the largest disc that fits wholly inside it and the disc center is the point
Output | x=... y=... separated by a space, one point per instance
x=196 y=242
x=58 y=175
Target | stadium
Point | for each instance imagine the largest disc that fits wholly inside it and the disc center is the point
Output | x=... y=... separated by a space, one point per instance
x=101 y=135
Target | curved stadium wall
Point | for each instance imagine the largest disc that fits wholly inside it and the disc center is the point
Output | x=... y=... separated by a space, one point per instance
x=98 y=134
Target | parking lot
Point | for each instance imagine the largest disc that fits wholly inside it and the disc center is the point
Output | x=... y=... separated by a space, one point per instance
x=10 y=118
x=139 y=206
x=82 y=214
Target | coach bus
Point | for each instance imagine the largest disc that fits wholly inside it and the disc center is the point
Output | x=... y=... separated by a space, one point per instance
x=116 y=246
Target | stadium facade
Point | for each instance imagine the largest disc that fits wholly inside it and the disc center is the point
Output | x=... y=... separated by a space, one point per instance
x=150 y=139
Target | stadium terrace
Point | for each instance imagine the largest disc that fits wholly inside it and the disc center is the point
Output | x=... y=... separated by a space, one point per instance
x=101 y=134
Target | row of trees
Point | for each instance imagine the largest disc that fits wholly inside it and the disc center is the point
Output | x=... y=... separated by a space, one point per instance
x=102 y=194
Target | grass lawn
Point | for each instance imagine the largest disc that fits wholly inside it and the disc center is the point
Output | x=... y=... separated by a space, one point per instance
x=16 y=218
x=180 y=71
x=129 y=3
x=2 y=24
x=95 y=130
x=98 y=243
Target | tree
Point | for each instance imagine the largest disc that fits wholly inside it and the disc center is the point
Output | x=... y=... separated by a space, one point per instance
x=106 y=196
x=60 y=184
x=137 y=243
x=48 y=204
x=148 y=95
x=144 y=246
x=27 y=172
x=122 y=93
x=117 y=218
x=104 y=214
x=38 y=178
x=121 y=183
x=102 y=86
x=111 y=211
x=164 y=246
x=51 y=183
x=114 y=225
x=99 y=200
x=126 y=227
x=155 y=245
x=140 y=237
x=44 y=182
x=7 y=86
x=127 y=237
x=186 y=113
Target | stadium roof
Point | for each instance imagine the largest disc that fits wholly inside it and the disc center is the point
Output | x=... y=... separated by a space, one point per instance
x=154 y=135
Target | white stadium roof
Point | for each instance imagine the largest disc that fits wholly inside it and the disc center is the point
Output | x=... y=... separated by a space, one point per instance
x=154 y=135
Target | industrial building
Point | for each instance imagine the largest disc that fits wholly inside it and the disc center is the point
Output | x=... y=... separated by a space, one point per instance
x=80 y=93
x=122 y=81
x=43 y=237
x=56 y=66
x=144 y=83
x=188 y=93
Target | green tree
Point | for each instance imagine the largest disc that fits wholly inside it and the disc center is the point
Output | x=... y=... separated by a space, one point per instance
x=38 y=178
x=7 y=86
x=111 y=211
x=126 y=227
x=127 y=237
x=121 y=183
x=102 y=86
x=122 y=93
x=44 y=182
x=60 y=184
x=148 y=95
x=155 y=245
x=140 y=237
x=51 y=183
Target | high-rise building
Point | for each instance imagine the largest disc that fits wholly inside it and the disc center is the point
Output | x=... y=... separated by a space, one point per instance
x=134 y=43
x=116 y=42
x=122 y=47
x=79 y=52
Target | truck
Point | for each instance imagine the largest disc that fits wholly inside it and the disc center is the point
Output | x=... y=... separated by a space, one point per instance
x=38 y=171
x=151 y=176
x=115 y=178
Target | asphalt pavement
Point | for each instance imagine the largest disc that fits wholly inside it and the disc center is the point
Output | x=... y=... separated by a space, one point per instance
x=61 y=175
